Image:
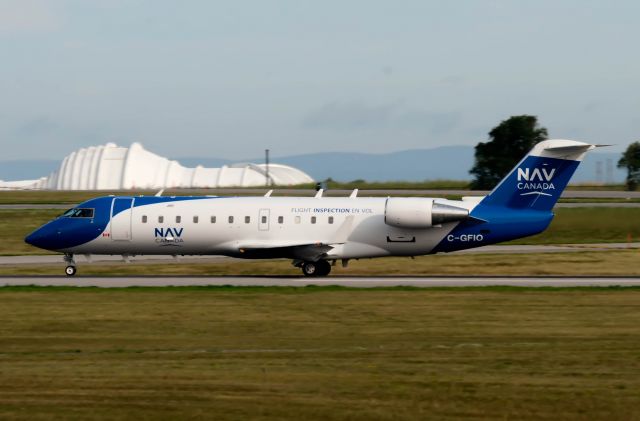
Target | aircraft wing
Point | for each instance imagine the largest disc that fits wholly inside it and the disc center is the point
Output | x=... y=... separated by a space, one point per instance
x=295 y=249
x=303 y=251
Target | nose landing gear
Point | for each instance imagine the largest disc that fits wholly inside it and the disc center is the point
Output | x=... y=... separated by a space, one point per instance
x=70 y=270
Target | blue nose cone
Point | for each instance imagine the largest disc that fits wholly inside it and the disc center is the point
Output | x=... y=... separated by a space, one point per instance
x=36 y=238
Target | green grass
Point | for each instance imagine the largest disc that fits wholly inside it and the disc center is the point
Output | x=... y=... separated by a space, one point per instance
x=319 y=353
x=590 y=225
x=400 y=185
x=16 y=224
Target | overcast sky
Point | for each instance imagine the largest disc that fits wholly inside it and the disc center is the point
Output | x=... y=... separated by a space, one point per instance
x=230 y=78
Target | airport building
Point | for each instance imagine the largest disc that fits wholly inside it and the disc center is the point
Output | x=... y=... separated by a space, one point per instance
x=112 y=167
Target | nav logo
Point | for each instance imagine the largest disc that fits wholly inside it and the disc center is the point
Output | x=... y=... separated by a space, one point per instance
x=168 y=236
x=537 y=174
x=538 y=179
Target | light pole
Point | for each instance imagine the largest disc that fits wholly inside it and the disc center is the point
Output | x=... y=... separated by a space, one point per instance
x=266 y=161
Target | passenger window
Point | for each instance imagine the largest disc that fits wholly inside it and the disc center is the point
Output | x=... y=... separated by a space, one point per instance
x=297 y=219
x=144 y=219
x=231 y=219
x=264 y=219
x=247 y=219
x=331 y=219
x=280 y=219
x=195 y=219
x=178 y=219
x=313 y=219
x=160 y=219
x=213 y=219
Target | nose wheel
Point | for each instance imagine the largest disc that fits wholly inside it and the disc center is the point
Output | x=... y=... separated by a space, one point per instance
x=70 y=270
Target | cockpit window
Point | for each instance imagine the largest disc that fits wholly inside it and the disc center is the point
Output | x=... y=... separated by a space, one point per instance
x=78 y=213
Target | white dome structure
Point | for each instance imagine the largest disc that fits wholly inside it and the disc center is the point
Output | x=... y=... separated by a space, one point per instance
x=112 y=167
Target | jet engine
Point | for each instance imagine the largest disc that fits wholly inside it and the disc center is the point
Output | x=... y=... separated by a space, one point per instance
x=419 y=213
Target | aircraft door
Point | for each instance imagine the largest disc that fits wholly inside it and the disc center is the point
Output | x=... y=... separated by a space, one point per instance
x=263 y=220
x=121 y=218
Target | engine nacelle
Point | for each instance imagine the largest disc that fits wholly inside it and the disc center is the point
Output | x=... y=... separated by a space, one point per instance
x=419 y=213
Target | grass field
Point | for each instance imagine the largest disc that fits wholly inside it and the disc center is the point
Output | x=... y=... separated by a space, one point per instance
x=590 y=225
x=319 y=353
x=16 y=224
x=571 y=225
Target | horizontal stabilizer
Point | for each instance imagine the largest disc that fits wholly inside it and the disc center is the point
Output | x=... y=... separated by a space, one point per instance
x=570 y=149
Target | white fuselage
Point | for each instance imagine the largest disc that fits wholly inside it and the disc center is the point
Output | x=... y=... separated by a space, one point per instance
x=354 y=227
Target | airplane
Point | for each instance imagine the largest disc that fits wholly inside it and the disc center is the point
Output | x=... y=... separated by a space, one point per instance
x=315 y=232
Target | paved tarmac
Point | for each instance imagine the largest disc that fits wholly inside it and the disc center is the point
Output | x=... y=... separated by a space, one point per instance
x=150 y=259
x=292 y=281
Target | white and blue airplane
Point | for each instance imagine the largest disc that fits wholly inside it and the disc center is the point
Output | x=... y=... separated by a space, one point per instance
x=316 y=232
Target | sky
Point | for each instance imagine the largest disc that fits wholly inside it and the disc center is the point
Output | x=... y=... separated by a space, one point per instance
x=228 y=79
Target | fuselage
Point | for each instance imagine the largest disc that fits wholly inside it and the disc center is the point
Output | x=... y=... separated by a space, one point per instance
x=243 y=226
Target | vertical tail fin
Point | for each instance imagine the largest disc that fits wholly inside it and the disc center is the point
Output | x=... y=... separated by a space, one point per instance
x=538 y=180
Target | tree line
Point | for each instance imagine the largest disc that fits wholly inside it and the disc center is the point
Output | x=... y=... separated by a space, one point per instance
x=513 y=138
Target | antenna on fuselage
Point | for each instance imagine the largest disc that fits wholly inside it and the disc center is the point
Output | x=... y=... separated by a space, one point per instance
x=319 y=194
x=159 y=193
x=268 y=194
x=354 y=194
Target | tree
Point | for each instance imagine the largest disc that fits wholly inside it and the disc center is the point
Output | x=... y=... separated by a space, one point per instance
x=510 y=141
x=631 y=161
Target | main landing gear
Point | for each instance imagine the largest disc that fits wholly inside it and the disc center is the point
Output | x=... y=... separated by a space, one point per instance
x=319 y=268
x=70 y=270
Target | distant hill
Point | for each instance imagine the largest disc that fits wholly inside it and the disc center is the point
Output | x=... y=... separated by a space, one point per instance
x=448 y=162
x=28 y=169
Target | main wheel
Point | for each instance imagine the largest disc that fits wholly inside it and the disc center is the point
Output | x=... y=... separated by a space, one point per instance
x=70 y=270
x=310 y=269
x=324 y=268
x=319 y=268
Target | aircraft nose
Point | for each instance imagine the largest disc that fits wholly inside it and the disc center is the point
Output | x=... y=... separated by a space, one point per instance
x=35 y=238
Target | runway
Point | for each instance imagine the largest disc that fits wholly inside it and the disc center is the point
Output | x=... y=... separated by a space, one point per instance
x=294 y=281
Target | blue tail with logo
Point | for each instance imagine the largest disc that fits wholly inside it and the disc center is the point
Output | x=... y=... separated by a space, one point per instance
x=521 y=204
x=536 y=183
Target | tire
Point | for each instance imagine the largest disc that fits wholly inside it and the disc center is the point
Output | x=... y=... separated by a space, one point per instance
x=309 y=269
x=324 y=268
x=319 y=268
x=70 y=270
